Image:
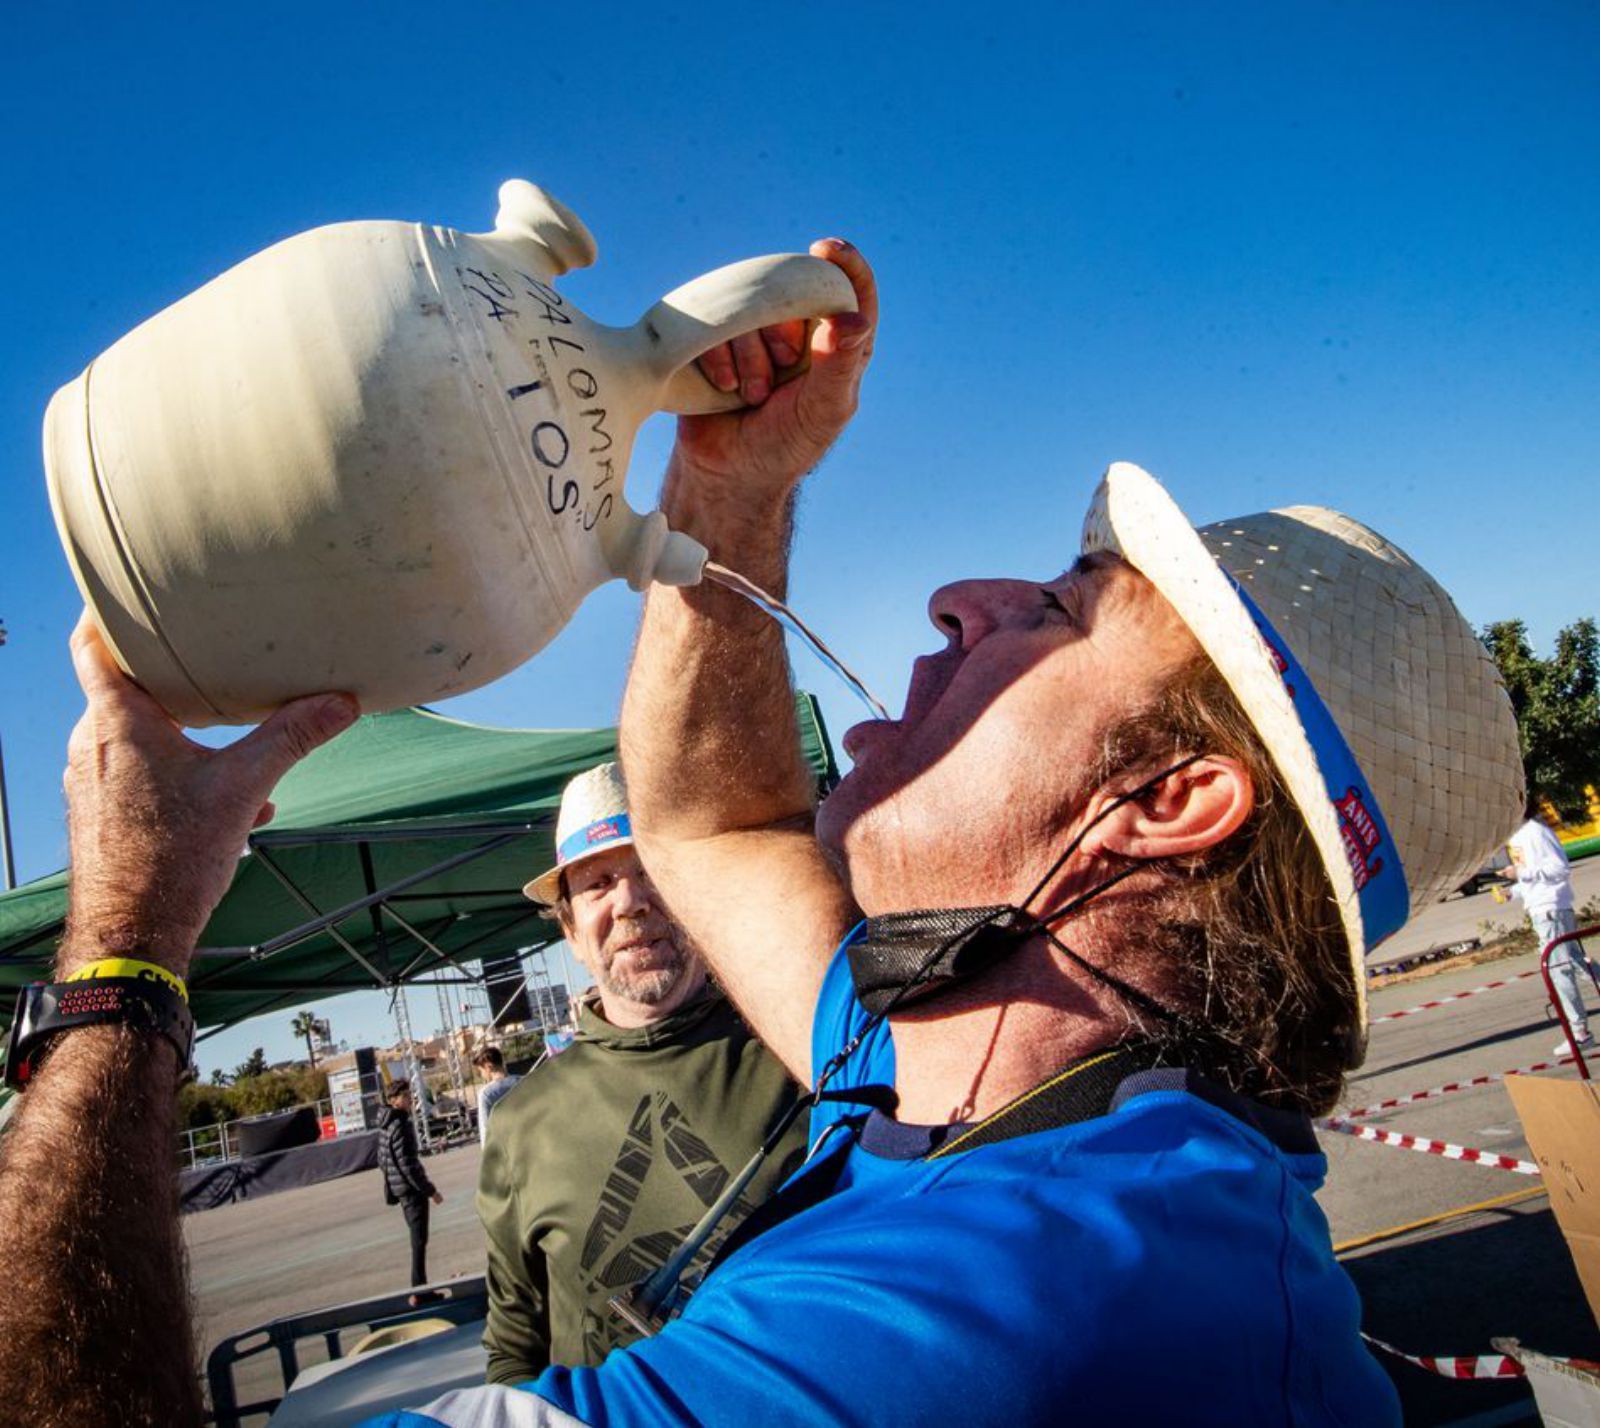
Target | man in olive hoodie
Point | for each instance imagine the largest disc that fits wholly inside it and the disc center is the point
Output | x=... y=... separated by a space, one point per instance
x=598 y=1164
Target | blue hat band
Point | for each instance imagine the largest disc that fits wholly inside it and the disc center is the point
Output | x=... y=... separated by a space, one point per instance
x=1375 y=867
x=593 y=835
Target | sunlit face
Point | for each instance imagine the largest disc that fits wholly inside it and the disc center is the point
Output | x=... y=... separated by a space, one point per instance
x=620 y=932
x=963 y=800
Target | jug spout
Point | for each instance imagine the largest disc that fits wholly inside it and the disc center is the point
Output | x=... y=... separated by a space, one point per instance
x=642 y=549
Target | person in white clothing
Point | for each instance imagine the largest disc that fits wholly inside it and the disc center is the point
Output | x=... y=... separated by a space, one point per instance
x=497 y=1082
x=1544 y=883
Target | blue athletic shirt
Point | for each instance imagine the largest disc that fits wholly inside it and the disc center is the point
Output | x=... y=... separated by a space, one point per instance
x=1164 y=1263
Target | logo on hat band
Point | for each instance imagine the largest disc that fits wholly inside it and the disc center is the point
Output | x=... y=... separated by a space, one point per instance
x=1374 y=860
x=607 y=830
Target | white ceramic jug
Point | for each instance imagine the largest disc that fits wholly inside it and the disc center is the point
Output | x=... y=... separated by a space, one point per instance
x=382 y=457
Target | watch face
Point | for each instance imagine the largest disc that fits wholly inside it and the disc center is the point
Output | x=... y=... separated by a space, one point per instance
x=45 y=1010
x=18 y=1067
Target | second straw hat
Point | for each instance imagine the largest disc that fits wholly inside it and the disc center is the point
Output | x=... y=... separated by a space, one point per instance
x=593 y=818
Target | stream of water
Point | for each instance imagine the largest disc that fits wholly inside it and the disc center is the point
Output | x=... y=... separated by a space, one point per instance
x=732 y=580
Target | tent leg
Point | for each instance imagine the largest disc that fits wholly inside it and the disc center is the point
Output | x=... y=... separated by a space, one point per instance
x=419 y=1089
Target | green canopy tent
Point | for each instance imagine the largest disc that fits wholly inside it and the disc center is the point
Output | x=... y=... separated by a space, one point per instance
x=397 y=854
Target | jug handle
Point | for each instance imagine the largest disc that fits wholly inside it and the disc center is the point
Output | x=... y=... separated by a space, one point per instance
x=722 y=304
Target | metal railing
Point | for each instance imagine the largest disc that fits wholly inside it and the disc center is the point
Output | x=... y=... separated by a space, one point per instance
x=219 y=1143
x=1550 y=988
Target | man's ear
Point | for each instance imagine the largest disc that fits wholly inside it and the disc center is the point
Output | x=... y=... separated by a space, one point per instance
x=1192 y=809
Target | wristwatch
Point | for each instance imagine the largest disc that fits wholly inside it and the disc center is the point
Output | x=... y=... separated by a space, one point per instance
x=47 y=1009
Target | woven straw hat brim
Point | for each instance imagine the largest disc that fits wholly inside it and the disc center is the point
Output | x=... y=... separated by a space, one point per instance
x=546 y=888
x=1133 y=516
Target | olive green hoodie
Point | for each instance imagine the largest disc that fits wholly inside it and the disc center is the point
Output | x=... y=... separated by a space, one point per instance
x=601 y=1161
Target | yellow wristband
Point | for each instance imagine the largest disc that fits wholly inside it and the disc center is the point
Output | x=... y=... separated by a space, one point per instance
x=131 y=967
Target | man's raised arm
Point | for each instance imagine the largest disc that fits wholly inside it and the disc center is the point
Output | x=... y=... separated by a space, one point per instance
x=720 y=795
x=94 y=1324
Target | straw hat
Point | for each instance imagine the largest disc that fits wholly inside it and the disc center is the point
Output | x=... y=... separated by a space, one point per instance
x=593 y=819
x=1377 y=702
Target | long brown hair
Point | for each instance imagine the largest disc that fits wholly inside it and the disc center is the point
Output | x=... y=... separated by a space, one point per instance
x=1247 y=936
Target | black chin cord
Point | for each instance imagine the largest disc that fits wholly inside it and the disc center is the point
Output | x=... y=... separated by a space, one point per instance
x=910 y=956
x=1128 y=993
x=1084 y=832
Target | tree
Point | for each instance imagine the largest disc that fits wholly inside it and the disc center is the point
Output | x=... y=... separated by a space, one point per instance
x=307 y=1026
x=255 y=1066
x=261 y=1095
x=219 y=1077
x=200 y=1105
x=1557 y=704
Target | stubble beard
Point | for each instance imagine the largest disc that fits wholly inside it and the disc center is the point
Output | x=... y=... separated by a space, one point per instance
x=648 y=988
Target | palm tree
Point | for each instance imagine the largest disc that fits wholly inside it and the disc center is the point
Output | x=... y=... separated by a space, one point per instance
x=305 y=1025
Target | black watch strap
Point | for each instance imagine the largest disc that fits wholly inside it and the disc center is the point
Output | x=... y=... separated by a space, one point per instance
x=47 y=1009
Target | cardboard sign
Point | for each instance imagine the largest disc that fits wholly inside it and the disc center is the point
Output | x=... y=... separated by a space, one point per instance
x=1567 y=1395
x=1562 y=1122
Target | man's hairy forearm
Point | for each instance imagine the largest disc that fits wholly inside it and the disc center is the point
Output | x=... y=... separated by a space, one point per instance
x=94 y=1324
x=710 y=675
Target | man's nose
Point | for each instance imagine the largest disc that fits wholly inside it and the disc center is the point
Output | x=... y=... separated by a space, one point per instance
x=968 y=610
x=634 y=895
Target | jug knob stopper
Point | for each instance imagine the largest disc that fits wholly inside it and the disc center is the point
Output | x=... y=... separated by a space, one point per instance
x=528 y=212
x=643 y=549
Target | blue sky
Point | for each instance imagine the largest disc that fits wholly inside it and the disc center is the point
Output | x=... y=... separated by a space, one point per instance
x=1334 y=253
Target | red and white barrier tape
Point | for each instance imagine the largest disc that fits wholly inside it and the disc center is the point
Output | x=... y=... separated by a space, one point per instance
x=1429 y=1147
x=1456 y=1366
x=1450 y=1087
x=1458 y=997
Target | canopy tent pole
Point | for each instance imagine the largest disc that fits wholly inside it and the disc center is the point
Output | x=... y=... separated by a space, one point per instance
x=5 y=822
x=264 y=950
x=426 y=944
x=374 y=914
x=324 y=922
x=439 y=927
x=339 y=988
x=521 y=916
x=407 y=833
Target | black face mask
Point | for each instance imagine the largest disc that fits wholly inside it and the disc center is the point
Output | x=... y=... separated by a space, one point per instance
x=907 y=957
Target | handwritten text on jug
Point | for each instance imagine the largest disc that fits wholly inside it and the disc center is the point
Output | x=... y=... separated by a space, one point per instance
x=563 y=381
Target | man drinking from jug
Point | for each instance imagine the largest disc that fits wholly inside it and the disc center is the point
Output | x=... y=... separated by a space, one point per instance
x=1120 y=859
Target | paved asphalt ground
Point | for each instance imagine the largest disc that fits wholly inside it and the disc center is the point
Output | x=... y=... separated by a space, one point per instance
x=1442 y=1289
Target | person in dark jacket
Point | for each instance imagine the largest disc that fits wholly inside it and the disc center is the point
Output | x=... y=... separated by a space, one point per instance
x=405 y=1182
